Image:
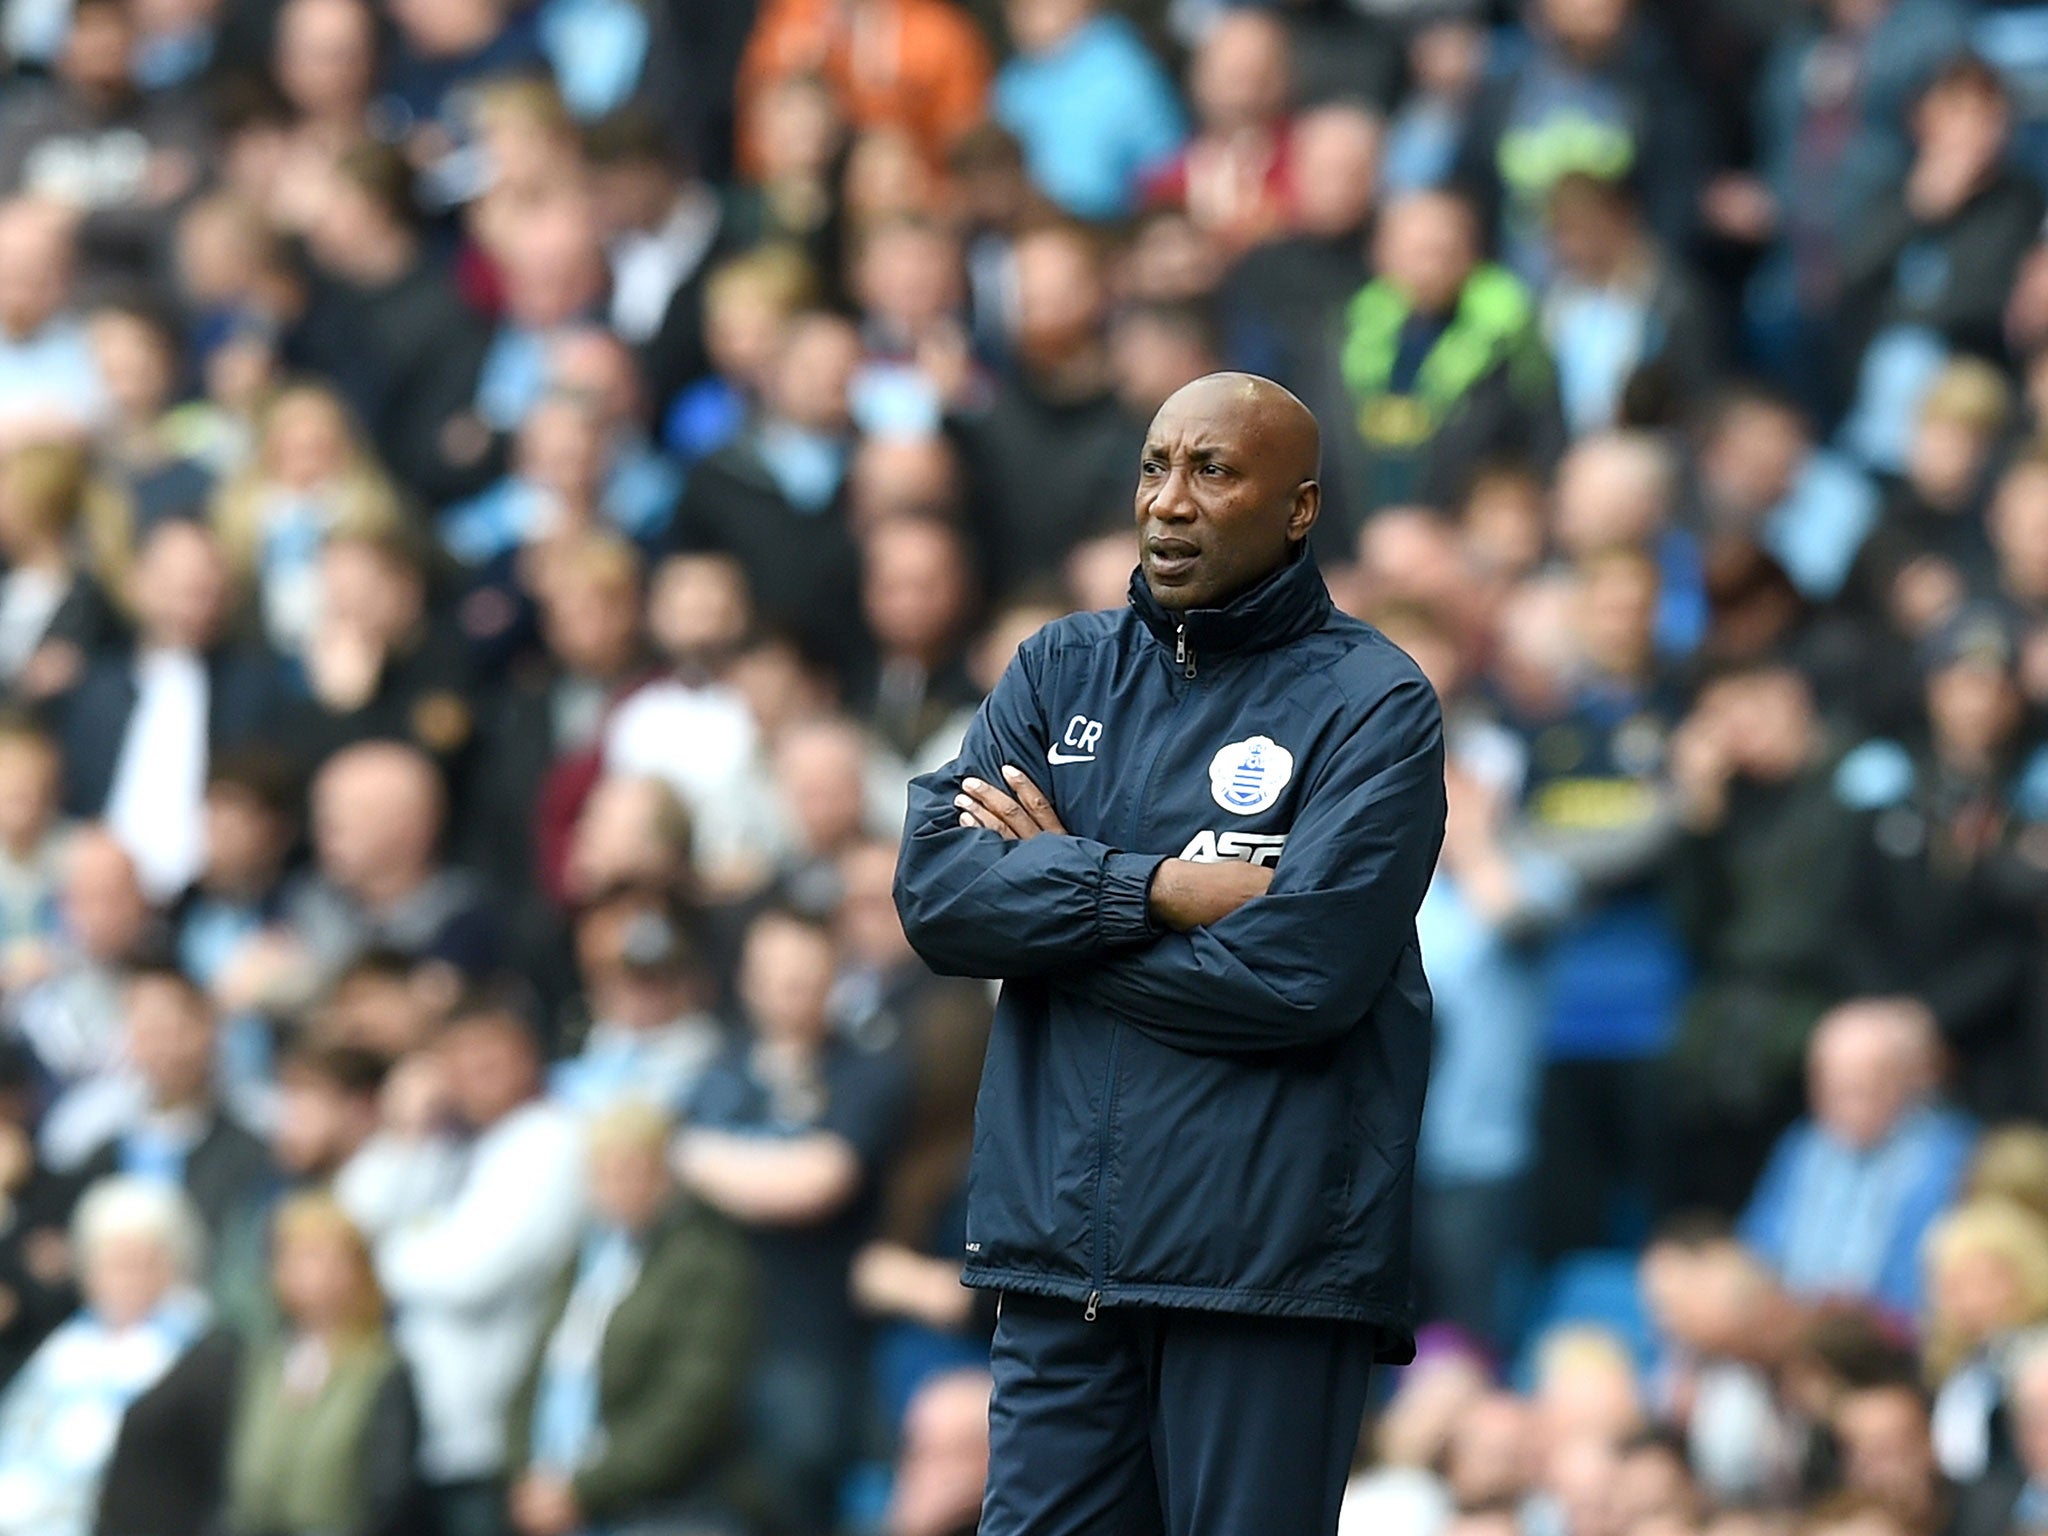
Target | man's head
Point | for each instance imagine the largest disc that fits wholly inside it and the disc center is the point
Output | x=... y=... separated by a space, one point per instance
x=1887 y=1445
x=1872 y=1059
x=1426 y=246
x=1614 y=488
x=1039 y=26
x=170 y=1035
x=1061 y=298
x=902 y=475
x=786 y=968
x=813 y=370
x=1226 y=489
x=1653 y=1482
x=639 y=964
x=326 y=1107
x=325 y=57
x=821 y=780
x=99 y=52
x=943 y=1464
x=916 y=587
x=31 y=776
x=869 y=926
x=493 y=1062
x=181 y=587
x=36 y=255
x=252 y=816
x=628 y=1157
x=1333 y=157
x=1241 y=77
x=631 y=831
x=636 y=172
x=590 y=607
x=1491 y=1455
x=377 y=811
x=104 y=908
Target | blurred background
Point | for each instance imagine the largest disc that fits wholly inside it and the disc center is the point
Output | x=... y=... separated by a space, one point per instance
x=496 y=497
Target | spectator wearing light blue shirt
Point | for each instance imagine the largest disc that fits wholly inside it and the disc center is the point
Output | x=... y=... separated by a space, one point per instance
x=1092 y=107
x=50 y=384
x=1851 y=1190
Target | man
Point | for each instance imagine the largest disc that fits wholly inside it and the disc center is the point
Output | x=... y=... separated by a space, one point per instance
x=1851 y=1191
x=145 y=721
x=378 y=811
x=1223 y=946
x=50 y=384
x=1440 y=362
x=472 y=1197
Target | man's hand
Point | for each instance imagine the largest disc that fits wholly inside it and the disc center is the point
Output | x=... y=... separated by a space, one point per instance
x=984 y=805
x=1188 y=895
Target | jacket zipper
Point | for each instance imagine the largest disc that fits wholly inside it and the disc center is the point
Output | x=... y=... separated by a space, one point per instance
x=1181 y=653
x=1116 y=1031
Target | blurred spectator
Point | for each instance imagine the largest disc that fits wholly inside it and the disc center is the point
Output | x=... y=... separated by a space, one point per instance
x=1048 y=457
x=225 y=920
x=325 y=1427
x=1850 y=1192
x=1630 y=329
x=50 y=383
x=377 y=881
x=2006 y=1498
x=1489 y=901
x=1987 y=1284
x=1233 y=178
x=1615 y=974
x=1930 y=549
x=66 y=1003
x=1094 y=111
x=118 y=158
x=1931 y=258
x=119 y=1423
x=789 y=1136
x=631 y=1411
x=1441 y=361
x=467 y=1241
x=161 y=1117
x=139 y=455
x=52 y=614
x=36 y=1277
x=1761 y=475
x=944 y=1460
x=143 y=723
x=1447 y=58
x=772 y=499
x=2018 y=529
x=918 y=65
x=1936 y=911
x=1278 y=298
x=1734 y=1328
x=34 y=840
x=665 y=232
x=309 y=477
x=916 y=593
x=377 y=283
x=327 y=1107
x=1762 y=872
x=1831 y=136
x=1599 y=93
x=650 y=1037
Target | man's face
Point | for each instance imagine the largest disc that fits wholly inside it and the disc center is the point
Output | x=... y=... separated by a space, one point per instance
x=170 y=1040
x=1218 y=508
x=491 y=1067
x=628 y=1185
x=1860 y=1086
x=1426 y=249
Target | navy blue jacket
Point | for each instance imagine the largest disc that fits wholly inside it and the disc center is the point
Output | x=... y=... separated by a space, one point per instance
x=1226 y=1118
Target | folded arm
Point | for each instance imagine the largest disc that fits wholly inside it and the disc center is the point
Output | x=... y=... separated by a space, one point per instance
x=1303 y=962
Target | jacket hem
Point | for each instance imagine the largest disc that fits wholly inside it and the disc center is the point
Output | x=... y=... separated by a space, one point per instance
x=1396 y=1327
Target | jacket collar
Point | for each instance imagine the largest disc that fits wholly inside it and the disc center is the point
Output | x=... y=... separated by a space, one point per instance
x=1290 y=603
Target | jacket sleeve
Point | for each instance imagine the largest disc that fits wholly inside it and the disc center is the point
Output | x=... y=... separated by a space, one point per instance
x=1303 y=963
x=975 y=904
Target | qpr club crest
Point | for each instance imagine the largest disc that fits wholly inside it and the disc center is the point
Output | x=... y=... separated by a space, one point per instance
x=1247 y=776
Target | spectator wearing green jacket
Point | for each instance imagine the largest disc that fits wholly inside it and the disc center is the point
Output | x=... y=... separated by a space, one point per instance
x=1442 y=367
x=632 y=1413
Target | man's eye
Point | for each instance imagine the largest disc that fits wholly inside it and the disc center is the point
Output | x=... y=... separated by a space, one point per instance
x=1149 y=467
x=1212 y=470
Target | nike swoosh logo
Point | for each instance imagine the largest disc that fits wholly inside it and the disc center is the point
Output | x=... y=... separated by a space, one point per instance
x=1055 y=755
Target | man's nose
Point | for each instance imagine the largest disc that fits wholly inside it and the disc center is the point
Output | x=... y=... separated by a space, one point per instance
x=1174 y=501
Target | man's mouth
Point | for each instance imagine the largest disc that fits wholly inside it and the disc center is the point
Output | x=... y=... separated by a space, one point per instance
x=1171 y=557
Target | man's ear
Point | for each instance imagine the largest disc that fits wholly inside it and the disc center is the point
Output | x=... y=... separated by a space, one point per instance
x=1308 y=503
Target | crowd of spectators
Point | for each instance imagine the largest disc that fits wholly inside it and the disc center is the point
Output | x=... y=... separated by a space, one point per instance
x=496 y=497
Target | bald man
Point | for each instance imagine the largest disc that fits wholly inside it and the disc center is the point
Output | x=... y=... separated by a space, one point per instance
x=1190 y=838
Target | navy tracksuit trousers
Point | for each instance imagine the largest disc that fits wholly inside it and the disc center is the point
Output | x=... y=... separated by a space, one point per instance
x=1157 y=1422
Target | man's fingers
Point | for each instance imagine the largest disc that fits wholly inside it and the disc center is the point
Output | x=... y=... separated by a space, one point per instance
x=1033 y=799
x=996 y=810
x=987 y=823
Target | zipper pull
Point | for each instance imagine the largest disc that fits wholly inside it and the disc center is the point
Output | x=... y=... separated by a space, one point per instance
x=1093 y=1298
x=1181 y=653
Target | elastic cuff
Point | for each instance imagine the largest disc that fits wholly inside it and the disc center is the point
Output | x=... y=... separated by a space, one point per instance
x=1122 y=914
